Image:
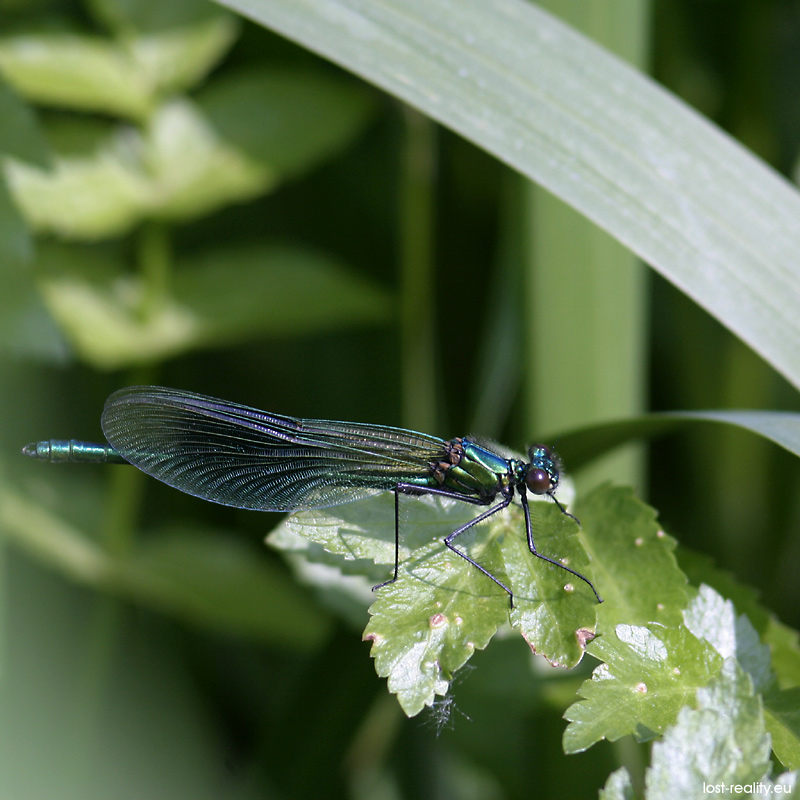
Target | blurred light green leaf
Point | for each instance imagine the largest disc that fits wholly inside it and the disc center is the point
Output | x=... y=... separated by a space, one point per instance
x=77 y=72
x=710 y=217
x=177 y=59
x=125 y=78
x=84 y=197
x=221 y=297
x=618 y=786
x=184 y=163
x=176 y=169
x=191 y=170
x=288 y=120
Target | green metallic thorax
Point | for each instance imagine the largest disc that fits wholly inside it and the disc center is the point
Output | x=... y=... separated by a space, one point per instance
x=469 y=469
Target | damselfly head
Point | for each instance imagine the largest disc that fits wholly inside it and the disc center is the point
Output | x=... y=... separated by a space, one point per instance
x=543 y=471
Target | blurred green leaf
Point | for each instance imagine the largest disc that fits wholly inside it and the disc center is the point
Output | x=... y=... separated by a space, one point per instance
x=199 y=576
x=595 y=132
x=721 y=742
x=782 y=718
x=219 y=297
x=20 y=134
x=15 y=243
x=287 y=120
x=84 y=197
x=184 y=164
x=130 y=17
x=27 y=330
x=140 y=720
x=20 y=137
x=51 y=539
x=215 y=581
x=177 y=59
x=176 y=169
x=238 y=292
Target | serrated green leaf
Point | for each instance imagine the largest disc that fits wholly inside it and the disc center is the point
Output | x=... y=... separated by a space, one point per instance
x=287 y=120
x=647 y=676
x=714 y=620
x=666 y=665
x=722 y=742
x=424 y=630
x=632 y=558
x=428 y=623
x=222 y=297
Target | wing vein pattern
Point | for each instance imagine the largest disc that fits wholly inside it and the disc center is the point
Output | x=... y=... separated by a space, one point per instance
x=240 y=456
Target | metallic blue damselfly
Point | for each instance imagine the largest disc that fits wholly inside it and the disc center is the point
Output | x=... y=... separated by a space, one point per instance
x=240 y=456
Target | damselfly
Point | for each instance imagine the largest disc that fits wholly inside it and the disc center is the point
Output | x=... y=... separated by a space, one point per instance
x=239 y=456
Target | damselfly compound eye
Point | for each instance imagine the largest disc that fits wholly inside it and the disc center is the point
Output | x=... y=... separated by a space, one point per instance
x=539 y=482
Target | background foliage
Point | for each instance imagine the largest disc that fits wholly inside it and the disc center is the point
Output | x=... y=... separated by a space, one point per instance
x=193 y=201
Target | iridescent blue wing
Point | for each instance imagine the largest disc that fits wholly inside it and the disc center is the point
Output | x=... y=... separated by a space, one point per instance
x=239 y=456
